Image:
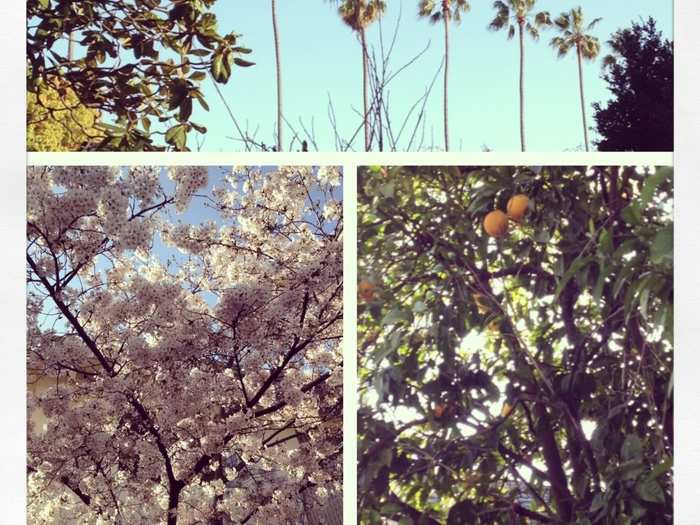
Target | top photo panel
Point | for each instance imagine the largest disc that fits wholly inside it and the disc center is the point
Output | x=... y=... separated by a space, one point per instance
x=349 y=75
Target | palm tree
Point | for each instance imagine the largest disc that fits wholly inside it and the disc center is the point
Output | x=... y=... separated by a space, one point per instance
x=518 y=13
x=71 y=46
x=445 y=10
x=358 y=15
x=574 y=35
x=278 y=67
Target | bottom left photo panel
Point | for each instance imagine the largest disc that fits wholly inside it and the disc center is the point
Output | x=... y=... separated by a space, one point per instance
x=184 y=345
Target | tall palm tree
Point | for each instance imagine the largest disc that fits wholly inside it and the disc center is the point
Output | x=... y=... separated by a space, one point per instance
x=573 y=34
x=278 y=67
x=71 y=46
x=358 y=15
x=512 y=14
x=447 y=11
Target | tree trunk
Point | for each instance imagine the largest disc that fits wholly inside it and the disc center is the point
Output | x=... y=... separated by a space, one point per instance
x=365 y=89
x=550 y=451
x=173 y=501
x=583 y=99
x=446 y=18
x=275 y=31
x=522 y=86
x=71 y=46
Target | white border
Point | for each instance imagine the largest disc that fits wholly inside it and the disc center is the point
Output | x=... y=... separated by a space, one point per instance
x=360 y=159
x=687 y=251
x=349 y=345
x=12 y=287
x=687 y=255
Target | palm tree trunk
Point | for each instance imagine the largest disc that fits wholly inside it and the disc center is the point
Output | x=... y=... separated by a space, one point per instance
x=583 y=99
x=275 y=31
x=71 y=46
x=446 y=18
x=522 y=87
x=365 y=88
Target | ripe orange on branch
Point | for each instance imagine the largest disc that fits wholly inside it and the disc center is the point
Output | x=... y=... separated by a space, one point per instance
x=517 y=207
x=440 y=410
x=496 y=223
x=366 y=290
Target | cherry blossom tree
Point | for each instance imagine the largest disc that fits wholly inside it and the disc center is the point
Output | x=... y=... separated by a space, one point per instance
x=183 y=372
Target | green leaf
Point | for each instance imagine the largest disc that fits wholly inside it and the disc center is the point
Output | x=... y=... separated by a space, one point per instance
x=220 y=68
x=661 y=250
x=632 y=215
x=185 y=109
x=397 y=316
x=242 y=63
x=387 y=189
x=652 y=182
x=461 y=513
x=605 y=244
x=644 y=301
x=575 y=267
x=649 y=490
x=387 y=348
x=661 y=468
x=632 y=447
x=177 y=136
x=631 y=469
x=419 y=307
x=597 y=503
x=198 y=76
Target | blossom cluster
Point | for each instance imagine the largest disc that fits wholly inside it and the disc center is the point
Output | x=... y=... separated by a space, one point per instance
x=188 y=180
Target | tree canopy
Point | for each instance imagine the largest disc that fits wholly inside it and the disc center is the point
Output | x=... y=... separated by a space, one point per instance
x=520 y=379
x=639 y=73
x=141 y=62
x=57 y=121
x=183 y=371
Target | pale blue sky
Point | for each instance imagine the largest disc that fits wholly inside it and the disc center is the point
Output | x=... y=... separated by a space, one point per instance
x=321 y=56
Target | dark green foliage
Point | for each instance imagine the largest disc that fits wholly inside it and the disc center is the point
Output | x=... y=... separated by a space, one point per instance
x=568 y=319
x=141 y=62
x=639 y=74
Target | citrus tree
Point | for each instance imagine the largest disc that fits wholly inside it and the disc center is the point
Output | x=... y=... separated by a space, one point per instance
x=515 y=345
x=183 y=371
x=140 y=62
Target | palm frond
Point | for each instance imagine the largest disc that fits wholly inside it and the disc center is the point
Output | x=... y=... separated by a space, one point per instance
x=500 y=21
x=593 y=23
x=577 y=17
x=590 y=48
x=562 y=22
x=532 y=31
x=543 y=19
x=426 y=8
x=562 y=45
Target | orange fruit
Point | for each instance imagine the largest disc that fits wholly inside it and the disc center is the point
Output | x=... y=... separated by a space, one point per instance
x=482 y=303
x=517 y=207
x=506 y=410
x=366 y=290
x=439 y=410
x=496 y=223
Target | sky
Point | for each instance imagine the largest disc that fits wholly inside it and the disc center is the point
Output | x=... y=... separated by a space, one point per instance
x=321 y=58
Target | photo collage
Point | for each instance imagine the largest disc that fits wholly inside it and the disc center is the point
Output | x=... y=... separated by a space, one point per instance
x=413 y=267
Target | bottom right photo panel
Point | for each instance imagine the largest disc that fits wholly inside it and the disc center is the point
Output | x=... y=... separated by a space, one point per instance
x=515 y=345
